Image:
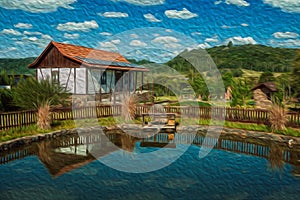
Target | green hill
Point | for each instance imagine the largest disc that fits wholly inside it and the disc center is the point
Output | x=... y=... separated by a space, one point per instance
x=16 y=65
x=251 y=57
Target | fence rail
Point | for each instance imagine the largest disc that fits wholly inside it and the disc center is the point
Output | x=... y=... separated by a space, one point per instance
x=23 y=118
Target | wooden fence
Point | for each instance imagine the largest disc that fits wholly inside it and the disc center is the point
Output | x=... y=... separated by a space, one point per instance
x=23 y=118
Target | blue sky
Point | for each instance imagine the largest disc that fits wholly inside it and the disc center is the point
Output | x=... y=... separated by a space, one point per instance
x=123 y=25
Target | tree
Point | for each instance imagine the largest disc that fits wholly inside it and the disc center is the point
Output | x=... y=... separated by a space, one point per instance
x=240 y=92
x=5 y=79
x=284 y=83
x=296 y=75
x=266 y=77
x=40 y=95
x=6 y=98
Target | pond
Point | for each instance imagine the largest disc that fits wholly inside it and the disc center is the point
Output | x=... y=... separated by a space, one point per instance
x=64 y=168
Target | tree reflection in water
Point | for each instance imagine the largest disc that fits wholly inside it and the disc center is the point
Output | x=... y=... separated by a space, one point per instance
x=275 y=157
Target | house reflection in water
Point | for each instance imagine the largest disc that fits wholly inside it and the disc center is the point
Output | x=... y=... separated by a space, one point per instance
x=65 y=154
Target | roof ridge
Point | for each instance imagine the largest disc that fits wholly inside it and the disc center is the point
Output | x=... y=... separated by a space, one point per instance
x=92 y=49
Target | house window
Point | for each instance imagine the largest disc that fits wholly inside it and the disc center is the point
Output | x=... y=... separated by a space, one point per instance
x=103 y=78
x=55 y=76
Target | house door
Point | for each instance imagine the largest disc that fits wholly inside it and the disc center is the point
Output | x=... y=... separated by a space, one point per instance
x=118 y=81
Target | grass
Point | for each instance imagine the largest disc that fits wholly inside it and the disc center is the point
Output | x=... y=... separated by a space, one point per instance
x=245 y=126
x=59 y=125
x=31 y=130
x=166 y=98
x=255 y=74
x=111 y=121
x=190 y=103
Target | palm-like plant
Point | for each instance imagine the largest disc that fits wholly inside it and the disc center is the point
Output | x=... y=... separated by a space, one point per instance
x=40 y=95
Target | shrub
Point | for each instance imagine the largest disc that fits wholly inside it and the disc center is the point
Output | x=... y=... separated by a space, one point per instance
x=278 y=118
x=128 y=107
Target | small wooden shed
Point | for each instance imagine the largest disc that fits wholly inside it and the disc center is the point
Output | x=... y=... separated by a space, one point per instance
x=268 y=88
x=87 y=71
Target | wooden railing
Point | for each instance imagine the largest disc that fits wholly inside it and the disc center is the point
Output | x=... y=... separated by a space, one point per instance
x=23 y=118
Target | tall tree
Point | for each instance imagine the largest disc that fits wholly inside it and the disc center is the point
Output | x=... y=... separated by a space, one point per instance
x=295 y=76
x=40 y=95
x=266 y=77
x=240 y=92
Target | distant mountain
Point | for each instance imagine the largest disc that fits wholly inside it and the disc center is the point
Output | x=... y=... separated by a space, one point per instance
x=16 y=65
x=252 y=57
x=140 y=62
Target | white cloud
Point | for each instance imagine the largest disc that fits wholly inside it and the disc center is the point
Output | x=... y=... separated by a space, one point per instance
x=31 y=39
x=10 y=32
x=32 y=33
x=227 y=27
x=213 y=39
x=244 y=24
x=238 y=2
x=137 y=43
x=105 y=33
x=8 y=49
x=165 y=40
x=180 y=14
x=46 y=37
x=117 y=41
x=151 y=18
x=37 y=6
x=196 y=33
x=285 y=5
x=109 y=46
x=143 y=2
x=218 y=2
x=23 y=25
x=168 y=42
x=71 y=36
x=172 y=45
x=287 y=43
x=81 y=26
x=40 y=40
x=204 y=46
x=133 y=35
x=19 y=42
x=113 y=14
x=238 y=40
x=285 y=35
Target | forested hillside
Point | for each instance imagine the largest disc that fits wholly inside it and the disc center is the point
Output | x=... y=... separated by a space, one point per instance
x=252 y=57
x=16 y=65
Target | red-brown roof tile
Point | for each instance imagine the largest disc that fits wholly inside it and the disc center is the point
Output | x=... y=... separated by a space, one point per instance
x=73 y=51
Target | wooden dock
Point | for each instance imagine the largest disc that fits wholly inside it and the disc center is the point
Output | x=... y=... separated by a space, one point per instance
x=159 y=122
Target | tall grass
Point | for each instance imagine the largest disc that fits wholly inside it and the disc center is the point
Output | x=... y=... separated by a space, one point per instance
x=128 y=107
x=278 y=118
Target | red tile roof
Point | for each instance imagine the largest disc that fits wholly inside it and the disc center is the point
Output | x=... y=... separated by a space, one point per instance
x=74 y=53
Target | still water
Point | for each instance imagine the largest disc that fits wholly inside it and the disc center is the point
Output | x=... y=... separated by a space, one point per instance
x=63 y=168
